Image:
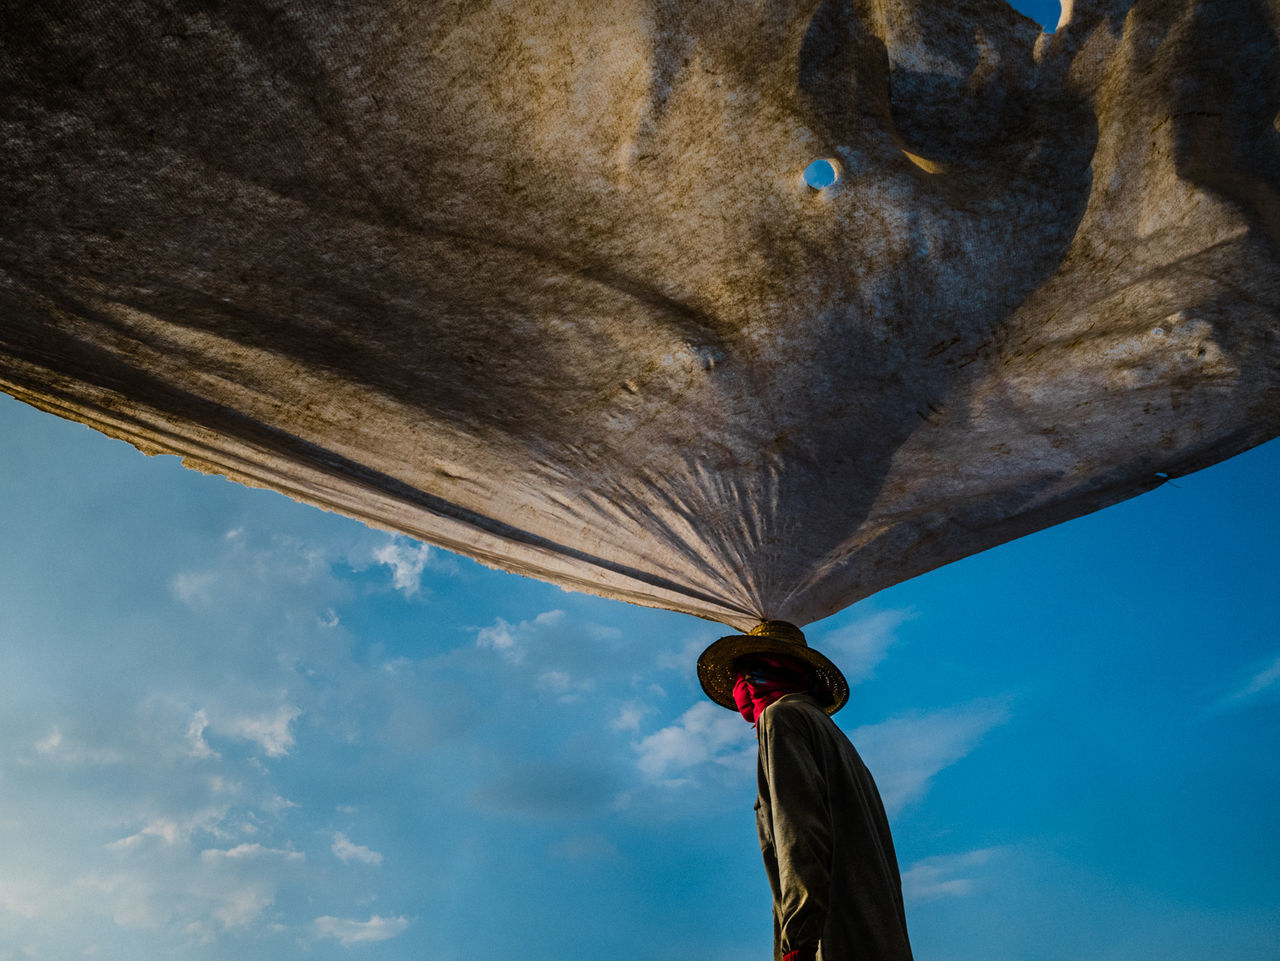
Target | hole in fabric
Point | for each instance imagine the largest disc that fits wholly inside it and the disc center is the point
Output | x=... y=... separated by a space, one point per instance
x=821 y=173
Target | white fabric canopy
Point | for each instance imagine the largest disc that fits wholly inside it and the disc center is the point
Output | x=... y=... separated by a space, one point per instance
x=544 y=284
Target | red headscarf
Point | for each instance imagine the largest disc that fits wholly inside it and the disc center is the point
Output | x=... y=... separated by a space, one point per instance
x=763 y=680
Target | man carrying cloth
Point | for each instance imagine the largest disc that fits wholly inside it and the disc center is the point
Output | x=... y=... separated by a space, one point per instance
x=837 y=895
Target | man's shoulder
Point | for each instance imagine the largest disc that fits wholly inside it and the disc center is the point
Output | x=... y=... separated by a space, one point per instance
x=794 y=709
x=799 y=719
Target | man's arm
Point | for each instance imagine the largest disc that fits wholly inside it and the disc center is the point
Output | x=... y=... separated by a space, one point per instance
x=801 y=828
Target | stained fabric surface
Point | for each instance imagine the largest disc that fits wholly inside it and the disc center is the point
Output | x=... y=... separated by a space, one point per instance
x=543 y=282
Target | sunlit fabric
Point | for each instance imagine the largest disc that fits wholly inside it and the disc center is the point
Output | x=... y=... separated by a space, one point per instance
x=545 y=284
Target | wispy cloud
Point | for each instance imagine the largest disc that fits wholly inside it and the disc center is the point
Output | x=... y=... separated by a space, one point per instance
x=1262 y=682
x=944 y=876
x=167 y=831
x=187 y=836
x=22 y=899
x=194 y=588
x=511 y=640
x=58 y=747
x=346 y=850
x=199 y=747
x=905 y=753
x=349 y=931
x=684 y=658
x=407 y=560
x=629 y=716
x=705 y=734
x=271 y=731
x=860 y=646
x=50 y=742
x=240 y=907
x=499 y=636
x=248 y=852
x=569 y=654
x=170 y=831
x=154 y=879
x=564 y=686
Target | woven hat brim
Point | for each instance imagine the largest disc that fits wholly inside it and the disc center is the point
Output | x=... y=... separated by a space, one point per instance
x=717 y=675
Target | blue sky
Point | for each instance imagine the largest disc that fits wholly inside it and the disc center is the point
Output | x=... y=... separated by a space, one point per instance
x=232 y=726
x=240 y=727
x=236 y=726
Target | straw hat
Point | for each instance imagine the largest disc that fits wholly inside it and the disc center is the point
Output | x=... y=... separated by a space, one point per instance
x=716 y=665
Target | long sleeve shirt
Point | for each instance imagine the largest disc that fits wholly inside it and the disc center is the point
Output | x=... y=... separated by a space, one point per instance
x=825 y=840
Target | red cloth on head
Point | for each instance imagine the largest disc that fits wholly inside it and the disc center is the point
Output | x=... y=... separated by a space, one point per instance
x=801 y=954
x=764 y=681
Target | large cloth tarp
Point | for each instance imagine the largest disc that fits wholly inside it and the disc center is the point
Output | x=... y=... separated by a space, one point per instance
x=542 y=282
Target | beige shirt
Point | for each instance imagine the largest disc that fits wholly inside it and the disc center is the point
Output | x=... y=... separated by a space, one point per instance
x=825 y=840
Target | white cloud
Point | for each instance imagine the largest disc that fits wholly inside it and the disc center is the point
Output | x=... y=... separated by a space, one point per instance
x=563 y=686
x=246 y=852
x=287 y=560
x=271 y=731
x=555 y=681
x=1260 y=683
x=240 y=907
x=348 y=851
x=684 y=659
x=629 y=716
x=130 y=899
x=56 y=746
x=905 y=753
x=195 y=736
x=170 y=832
x=349 y=932
x=407 y=560
x=571 y=656
x=154 y=881
x=1264 y=680
x=500 y=637
x=940 y=877
x=21 y=898
x=510 y=640
x=220 y=785
x=276 y=804
x=201 y=931
x=50 y=742
x=860 y=646
x=706 y=733
x=194 y=588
